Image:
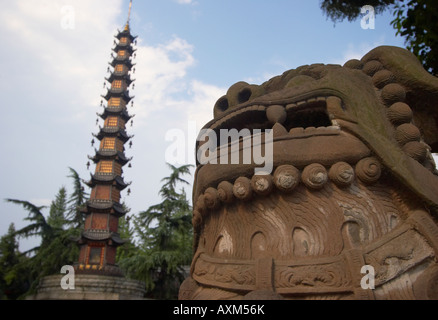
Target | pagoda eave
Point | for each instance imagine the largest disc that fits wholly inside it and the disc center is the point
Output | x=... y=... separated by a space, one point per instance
x=126 y=61
x=121 y=94
x=104 y=206
x=114 y=112
x=109 y=155
x=112 y=132
x=120 y=76
x=124 y=46
x=107 y=179
x=125 y=33
x=102 y=235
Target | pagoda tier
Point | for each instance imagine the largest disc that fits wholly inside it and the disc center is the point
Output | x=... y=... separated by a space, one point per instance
x=120 y=76
x=113 y=132
x=107 y=179
x=115 y=155
x=104 y=206
x=124 y=43
x=115 y=111
x=125 y=33
x=100 y=238
x=116 y=61
x=117 y=93
x=124 y=46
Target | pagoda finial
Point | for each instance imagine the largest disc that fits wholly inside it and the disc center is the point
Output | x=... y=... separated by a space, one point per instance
x=129 y=15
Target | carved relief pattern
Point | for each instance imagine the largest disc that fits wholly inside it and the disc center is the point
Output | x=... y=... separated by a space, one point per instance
x=317 y=213
x=227 y=275
x=391 y=259
x=305 y=221
x=315 y=277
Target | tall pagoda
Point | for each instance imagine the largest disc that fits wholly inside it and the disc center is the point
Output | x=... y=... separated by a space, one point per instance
x=100 y=238
x=96 y=275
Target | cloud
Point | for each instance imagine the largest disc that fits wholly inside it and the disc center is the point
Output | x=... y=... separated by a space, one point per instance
x=55 y=77
x=185 y=1
x=160 y=74
x=63 y=60
x=168 y=100
x=357 y=51
x=70 y=63
x=163 y=85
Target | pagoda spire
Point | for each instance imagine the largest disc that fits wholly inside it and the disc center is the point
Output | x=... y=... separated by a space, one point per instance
x=129 y=16
x=129 y=12
x=100 y=238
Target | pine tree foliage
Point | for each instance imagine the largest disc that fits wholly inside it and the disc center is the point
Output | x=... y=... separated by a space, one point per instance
x=338 y=10
x=13 y=281
x=159 y=242
x=76 y=200
x=165 y=240
x=56 y=247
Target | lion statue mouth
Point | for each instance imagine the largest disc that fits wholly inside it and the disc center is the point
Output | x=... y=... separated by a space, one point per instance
x=350 y=182
x=297 y=124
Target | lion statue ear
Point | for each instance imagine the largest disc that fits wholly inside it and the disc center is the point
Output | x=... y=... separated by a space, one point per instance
x=421 y=87
x=399 y=76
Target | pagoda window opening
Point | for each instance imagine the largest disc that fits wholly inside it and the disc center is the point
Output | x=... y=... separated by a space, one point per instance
x=105 y=167
x=122 y=53
x=114 y=102
x=119 y=68
x=124 y=40
x=108 y=143
x=117 y=84
x=112 y=122
x=96 y=255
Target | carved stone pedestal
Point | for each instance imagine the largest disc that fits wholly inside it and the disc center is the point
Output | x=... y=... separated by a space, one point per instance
x=90 y=287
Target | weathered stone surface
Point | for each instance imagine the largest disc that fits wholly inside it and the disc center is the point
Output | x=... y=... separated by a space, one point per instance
x=90 y=287
x=352 y=184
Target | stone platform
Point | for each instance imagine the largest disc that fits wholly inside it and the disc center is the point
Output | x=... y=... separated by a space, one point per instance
x=90 y=287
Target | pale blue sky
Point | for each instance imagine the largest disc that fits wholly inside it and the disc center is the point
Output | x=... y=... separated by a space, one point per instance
x=189 y=53
x=248 y=38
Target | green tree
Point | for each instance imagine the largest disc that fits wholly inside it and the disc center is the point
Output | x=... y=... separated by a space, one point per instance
x=13 y=283
x=165 y=240
x=417 y=22
x=414 y=20
x=58 y=208
x=38 y=226
x=56 y=248
x=338 y=10
x=77 y=199
x=126 y=232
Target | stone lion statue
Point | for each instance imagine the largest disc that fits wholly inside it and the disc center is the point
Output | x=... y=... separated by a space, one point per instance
x=350 y=207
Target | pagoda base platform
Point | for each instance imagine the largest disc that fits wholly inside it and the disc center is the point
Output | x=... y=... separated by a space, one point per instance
x=90 y=287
